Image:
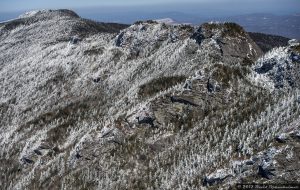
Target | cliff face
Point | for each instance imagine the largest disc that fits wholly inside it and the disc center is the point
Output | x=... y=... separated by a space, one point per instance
x=148 y=106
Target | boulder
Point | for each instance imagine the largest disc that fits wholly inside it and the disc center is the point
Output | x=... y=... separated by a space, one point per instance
x=282 y=138
x=145 y=120
x=216 y=178
x=74 y=40
x=26 y=160
x=112 y=134
x=265 y=172
x=266 y=66
x=38 y=152
x=182 y=101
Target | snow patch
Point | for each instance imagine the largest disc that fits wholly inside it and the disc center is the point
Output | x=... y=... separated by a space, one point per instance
x=171 y=21
x=32 y=13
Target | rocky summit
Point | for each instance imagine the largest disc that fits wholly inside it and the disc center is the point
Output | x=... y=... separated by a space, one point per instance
x=90 y=105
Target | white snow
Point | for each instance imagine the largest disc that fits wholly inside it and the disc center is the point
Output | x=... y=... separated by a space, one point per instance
x=171 y=21
x=31 y=13
x=6 y=21
x=166 y=21
x=293 y=42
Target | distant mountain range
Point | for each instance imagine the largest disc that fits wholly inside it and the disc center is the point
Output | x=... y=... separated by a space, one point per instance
x=287 y=25
x=283 y=25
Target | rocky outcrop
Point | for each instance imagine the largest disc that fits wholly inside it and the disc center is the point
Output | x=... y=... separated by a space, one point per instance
x=216 y=178
x=143 y=38
x=231 y=38
x=281 y=66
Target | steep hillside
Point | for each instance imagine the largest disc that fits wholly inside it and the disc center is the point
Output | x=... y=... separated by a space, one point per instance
x=88 y=105
x=267 y=42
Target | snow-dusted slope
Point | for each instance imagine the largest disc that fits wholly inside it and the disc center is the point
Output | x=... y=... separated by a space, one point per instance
x=148 y=106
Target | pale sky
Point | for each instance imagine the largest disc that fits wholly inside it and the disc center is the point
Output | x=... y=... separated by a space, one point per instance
x=13 y=5
x=268 y=5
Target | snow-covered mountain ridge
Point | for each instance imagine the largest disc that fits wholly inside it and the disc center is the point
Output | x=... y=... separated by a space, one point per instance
x=88 y=105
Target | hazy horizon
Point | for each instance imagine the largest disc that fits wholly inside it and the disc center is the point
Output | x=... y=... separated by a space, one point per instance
x=127 y=12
